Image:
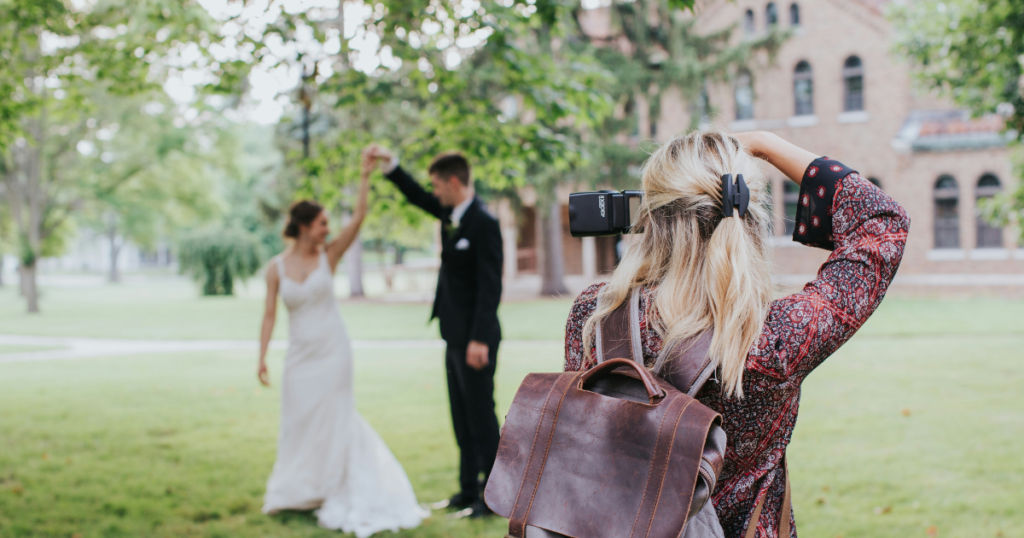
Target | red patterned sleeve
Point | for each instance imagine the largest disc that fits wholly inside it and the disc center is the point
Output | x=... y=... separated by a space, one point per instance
x=867 y=233
x=581 y=311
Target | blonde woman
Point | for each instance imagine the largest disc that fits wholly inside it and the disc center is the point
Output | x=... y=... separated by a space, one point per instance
x=328 y=457
x=699 y=271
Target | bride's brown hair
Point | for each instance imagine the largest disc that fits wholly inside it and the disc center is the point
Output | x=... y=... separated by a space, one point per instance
x=301 y=213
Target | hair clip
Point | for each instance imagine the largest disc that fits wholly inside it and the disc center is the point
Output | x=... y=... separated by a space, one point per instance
x=734 y=194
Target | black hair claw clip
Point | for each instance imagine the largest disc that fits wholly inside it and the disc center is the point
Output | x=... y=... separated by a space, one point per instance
x=734 y=194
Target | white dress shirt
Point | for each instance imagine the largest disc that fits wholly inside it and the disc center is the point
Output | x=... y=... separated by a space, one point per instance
x=460 y=210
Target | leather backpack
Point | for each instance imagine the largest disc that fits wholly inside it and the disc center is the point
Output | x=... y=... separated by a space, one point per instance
x=614 y=452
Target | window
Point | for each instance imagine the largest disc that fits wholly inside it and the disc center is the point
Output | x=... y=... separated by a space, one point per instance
x=947 y=213
x=790 y=201
x=988 y=236
x=874 y=181
x=794 y=15
x=853 y=84
x=803 y=89
x=771 y=14
x=744 y=97
x=748 y=22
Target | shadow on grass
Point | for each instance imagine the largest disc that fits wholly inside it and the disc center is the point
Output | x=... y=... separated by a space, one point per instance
x=293 y=518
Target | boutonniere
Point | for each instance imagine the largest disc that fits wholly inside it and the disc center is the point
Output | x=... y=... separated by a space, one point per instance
x=451 y=227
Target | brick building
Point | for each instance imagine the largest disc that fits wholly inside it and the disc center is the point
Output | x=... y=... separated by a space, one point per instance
x=837 y=88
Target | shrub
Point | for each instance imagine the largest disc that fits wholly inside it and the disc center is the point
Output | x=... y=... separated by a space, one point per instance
x=216 y=258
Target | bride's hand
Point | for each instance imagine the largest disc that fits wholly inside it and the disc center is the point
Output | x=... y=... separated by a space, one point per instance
x=262 y=374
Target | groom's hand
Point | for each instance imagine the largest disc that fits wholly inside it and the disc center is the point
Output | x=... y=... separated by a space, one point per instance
x=476 y=355
x=378 y=154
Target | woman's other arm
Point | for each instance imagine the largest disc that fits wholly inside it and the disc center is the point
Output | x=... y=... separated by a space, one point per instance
x=269 y=317
x=335 y=249
x=790 y=159
x=866 y=231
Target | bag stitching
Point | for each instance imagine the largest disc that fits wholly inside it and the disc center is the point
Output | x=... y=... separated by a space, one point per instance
x=661 y=486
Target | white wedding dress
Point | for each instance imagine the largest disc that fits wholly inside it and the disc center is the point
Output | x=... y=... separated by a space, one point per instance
x=328 y=457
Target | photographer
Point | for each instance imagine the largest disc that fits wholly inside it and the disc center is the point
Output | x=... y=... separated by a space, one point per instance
x=701 y=271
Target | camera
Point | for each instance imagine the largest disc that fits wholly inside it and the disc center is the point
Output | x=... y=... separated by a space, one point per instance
x=603 y=212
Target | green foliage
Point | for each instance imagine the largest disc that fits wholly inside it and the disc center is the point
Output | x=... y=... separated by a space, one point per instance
x=145 y=177
x=973 y=52
x=216 y=258
x=970 y=50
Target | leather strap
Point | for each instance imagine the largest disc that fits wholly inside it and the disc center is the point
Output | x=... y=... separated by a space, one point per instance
x=784 y=527
x=787 y=503
x=659 y=466
x=535 y=466
x=618 y=336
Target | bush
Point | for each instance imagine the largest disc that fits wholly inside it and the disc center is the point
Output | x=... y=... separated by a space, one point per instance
x=216 y=258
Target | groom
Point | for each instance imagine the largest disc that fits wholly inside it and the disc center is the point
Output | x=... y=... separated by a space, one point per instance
x=468 y=292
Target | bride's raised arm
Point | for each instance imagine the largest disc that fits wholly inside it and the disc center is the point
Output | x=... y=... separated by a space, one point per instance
x=335 y=249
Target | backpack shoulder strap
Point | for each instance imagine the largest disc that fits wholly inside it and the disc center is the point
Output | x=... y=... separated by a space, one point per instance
x=689 y=364
x=618 y=334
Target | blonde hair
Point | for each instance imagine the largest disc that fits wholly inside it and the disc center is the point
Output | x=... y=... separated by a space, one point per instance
x=711 y=272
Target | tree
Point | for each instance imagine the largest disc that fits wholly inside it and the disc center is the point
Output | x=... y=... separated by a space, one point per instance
x=217 y=258
x=971 y=51
x=56 y=58
x=146 y=177
x=459 y=67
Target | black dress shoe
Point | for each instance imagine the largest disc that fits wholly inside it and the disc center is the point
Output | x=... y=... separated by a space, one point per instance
x=462 y=500
x=480 y=510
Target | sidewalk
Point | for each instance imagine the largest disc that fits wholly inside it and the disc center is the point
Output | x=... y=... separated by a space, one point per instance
x=84 y=348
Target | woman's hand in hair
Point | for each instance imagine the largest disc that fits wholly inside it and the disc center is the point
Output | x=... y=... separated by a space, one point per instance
x=790 y=159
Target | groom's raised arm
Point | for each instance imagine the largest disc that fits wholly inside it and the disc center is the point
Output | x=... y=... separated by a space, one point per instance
x=414 y=192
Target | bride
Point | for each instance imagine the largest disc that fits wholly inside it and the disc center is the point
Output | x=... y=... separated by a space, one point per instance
x=328 y=457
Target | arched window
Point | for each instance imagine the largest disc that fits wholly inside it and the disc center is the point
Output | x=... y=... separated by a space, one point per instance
x=853 y=84
x=744 y=97
x=988 y=236
x=874 y=181
x=748 y=22
x=794 y=14
x=947 y=213
x=803 y=89
x=771 y=14
x=790 y=202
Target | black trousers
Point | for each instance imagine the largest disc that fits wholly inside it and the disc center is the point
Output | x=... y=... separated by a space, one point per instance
x=471 y=395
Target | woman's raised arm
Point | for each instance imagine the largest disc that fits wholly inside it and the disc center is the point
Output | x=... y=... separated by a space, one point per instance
x=335 y=249
x=790 y=159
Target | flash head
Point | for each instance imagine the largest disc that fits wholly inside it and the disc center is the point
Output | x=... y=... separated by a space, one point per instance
x=603 y=212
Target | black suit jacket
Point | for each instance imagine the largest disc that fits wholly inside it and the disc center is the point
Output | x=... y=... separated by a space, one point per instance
x=469 y=283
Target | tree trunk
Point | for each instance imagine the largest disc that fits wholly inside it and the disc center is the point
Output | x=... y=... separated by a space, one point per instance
x=28 y=287
x=115 y=249
x=355 y=268
x=553 y=272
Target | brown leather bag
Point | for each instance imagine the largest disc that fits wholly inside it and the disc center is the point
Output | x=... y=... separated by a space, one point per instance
x=613 y=452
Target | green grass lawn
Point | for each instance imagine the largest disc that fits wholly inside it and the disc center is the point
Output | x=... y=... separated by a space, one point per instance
x=173 y=309
x=913 y=428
